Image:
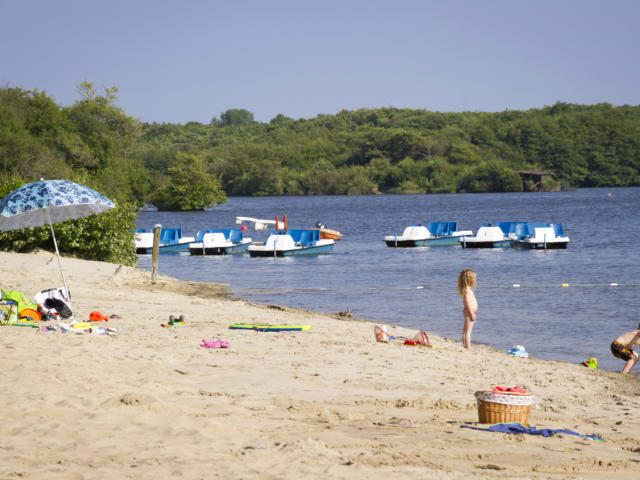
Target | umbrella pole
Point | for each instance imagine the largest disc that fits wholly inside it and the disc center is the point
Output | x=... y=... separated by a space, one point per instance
x=55 y=243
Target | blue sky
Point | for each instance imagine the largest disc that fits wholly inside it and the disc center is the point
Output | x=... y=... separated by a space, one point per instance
x=190 y=60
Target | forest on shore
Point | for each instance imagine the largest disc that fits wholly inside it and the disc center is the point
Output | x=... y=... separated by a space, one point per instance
x=384 y=150
x=367 y=151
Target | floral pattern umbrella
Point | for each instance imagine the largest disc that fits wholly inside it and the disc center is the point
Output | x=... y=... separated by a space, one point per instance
x=48 y=202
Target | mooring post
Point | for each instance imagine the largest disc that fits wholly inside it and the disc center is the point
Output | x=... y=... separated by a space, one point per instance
x=155 y=252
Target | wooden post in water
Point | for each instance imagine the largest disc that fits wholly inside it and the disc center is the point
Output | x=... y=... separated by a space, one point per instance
x=157 y=228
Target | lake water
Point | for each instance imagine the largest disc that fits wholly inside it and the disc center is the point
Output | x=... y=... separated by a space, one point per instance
x=416 y=287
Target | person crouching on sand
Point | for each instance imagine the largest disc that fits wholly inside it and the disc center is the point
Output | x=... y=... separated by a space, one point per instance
x=622 y=347
x=466 y=284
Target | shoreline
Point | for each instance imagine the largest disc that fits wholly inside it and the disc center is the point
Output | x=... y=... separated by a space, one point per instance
x=346 y=315
x=332 y=402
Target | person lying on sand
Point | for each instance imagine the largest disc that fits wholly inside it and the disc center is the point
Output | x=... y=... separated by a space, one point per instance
x=622 y=347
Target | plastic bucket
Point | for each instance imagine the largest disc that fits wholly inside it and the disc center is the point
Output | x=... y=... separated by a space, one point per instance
x=382 y=335
x=31 y=314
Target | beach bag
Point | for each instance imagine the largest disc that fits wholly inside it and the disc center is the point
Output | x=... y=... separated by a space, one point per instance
x=22 y=301
x=57 y=299
x=421 y=338
x=8 y=312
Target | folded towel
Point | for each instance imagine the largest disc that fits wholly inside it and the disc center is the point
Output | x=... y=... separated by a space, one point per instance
x=507 y=389
x=517 y=390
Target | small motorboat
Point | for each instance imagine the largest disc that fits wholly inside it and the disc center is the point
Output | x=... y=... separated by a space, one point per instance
x=261 y=224
x=435 y=233
x=222 y=241
x=328 y=233
x=258 y=223
x=171 y=240
x=289 y=242
x=488 y=236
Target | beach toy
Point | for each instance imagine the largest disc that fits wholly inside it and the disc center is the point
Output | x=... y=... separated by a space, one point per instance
x=98 y=317
x=382 y=335
x=214 y=344
x=270 y=328
x=30 y=315
x=518 y=351
x=173 y=321
x=591 y=363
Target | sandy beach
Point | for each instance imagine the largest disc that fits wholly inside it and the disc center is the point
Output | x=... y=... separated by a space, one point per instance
x=151 y=403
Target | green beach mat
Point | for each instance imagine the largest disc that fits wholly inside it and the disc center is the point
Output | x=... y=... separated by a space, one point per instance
x=270 y=328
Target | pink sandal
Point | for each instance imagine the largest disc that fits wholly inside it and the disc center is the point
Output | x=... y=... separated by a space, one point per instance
x=214 y=344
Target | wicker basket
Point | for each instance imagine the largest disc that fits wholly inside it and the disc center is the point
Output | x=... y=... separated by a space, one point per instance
x=504 y=407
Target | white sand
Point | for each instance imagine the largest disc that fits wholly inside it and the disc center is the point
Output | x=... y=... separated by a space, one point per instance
x=150 y=403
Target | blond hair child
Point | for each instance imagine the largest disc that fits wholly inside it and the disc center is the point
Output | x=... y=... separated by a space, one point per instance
x=466 y=284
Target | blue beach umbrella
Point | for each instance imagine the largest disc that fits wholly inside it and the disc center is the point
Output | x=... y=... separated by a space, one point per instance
x=47 y=202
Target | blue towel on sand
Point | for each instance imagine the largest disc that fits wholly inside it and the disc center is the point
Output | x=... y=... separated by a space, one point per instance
x=515 y=427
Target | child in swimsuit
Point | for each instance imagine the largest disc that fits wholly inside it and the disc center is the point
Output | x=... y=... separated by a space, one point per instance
x=622 y=347
x=466 y=285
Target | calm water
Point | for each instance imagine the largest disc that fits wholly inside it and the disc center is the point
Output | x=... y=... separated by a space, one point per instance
x=416 y=287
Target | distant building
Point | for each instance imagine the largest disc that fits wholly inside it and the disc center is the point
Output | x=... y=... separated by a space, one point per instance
x=537 y=181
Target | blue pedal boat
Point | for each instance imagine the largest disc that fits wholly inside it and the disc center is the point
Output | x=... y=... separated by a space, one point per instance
x=221 y=241
x=171 y=240
x=435 y=233
x=487 y=236
x=286 y=243
x=539 y=236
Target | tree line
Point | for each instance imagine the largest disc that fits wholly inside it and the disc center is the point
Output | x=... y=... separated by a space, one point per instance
x=384 y=150
x=391 y=150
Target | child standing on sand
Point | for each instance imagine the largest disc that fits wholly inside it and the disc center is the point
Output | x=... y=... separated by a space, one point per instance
x=622 y=347
x=466 y=284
